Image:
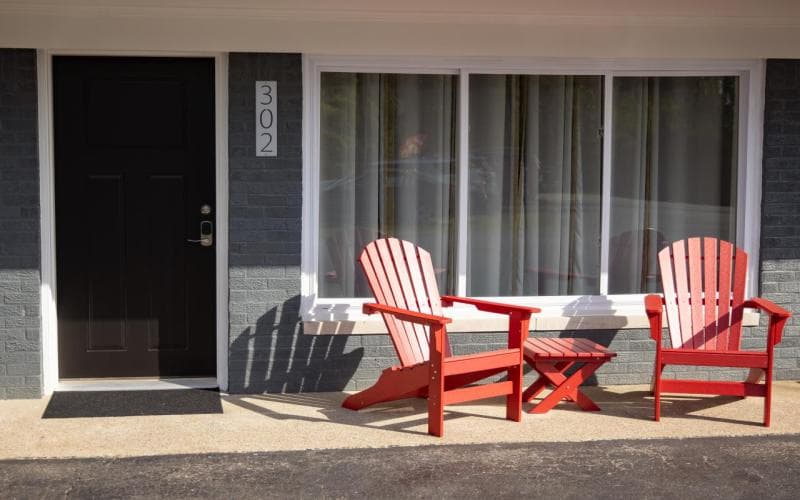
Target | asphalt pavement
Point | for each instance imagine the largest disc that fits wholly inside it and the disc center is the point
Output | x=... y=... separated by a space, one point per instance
x=719 y=467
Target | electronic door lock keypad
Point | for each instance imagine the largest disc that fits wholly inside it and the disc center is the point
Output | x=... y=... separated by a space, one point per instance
x=206 y=229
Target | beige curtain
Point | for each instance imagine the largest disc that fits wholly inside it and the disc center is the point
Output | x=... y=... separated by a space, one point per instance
x=535 y=176
x=387 y=168
x=673 y=170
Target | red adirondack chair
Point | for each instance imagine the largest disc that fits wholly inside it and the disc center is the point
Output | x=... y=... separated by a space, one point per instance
x=402 y=280
x=704 y=298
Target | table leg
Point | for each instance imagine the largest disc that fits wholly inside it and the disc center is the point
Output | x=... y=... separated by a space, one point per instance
x=544 y=379
x=566 y=387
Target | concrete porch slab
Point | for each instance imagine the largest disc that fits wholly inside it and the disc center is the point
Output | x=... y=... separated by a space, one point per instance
x=282 y=422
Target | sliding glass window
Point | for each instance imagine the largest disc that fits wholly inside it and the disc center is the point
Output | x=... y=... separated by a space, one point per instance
x=521 y=185
x=386 y=168
x=673 y=171
x=535 y=172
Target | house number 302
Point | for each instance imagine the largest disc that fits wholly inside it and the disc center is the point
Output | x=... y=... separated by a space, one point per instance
x=266 y=118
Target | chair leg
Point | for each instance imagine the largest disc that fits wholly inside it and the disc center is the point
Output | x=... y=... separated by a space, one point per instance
x=657 y=391
x=436 y=383
x=436 y=408
x=768 y=397
x=514 y=400
x=653 y=381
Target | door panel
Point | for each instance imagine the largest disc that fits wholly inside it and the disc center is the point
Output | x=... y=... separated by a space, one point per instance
x=106 y=276
x=166 y=217
x=134 y=162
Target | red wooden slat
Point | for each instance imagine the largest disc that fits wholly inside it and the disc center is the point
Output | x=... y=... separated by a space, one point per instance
x=546 y=348
x=377 y=280
x=395 y=291
x=484 y=361
x=746 y=359
x=739 y=277
x=556 y=347
x=574 y=347
x=582 y=347
x=420 y=293
x=532 y=347
x=535 y=346
x=682 y=291
x=589 y=346
x=433 y=290
x=567 y=346
x=489 y=306
x=405 y=314
x=478 y=392
x=696 y=291
x=670 y=297
x=715 y=387
x=393 y=276
x=724 y=307
x=418 y=337
x=382 y=290
x=415 y=276
x=710 y=259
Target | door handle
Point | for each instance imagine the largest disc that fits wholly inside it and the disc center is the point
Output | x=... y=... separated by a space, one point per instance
x=206 y=234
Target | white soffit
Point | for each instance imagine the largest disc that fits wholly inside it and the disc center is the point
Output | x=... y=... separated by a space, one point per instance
x=549 y=28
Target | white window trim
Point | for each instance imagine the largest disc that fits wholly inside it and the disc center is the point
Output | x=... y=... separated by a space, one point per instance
x=344 y=316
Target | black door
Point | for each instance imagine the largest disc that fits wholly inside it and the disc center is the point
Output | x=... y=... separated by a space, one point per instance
x=134 y=164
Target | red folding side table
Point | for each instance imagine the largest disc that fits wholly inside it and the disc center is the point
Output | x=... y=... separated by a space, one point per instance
x=552 y=358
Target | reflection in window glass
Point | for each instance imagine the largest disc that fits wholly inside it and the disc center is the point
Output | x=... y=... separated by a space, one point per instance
x=673 y=170
x=387 y=168
x=535 y=149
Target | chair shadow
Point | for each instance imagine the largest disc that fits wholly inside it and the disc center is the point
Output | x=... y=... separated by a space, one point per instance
x=638 y=405
x=331 y=411
x=295 y=362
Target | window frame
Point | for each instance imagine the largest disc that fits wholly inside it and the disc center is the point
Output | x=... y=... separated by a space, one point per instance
x=748 y=194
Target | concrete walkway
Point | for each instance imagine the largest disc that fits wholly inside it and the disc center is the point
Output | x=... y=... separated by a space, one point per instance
x=285 y=422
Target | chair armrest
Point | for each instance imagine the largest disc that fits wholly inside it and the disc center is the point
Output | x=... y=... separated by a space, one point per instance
x=406 y=315
x=777 y=319
x=768 y=307
x=518 y=317
x=654 y=307
x=487 y=306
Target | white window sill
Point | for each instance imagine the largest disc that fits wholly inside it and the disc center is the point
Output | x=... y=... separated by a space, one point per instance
x=478 y=322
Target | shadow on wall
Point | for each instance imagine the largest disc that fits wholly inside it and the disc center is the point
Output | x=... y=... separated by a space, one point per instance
x=575 y=310
x=276 y=356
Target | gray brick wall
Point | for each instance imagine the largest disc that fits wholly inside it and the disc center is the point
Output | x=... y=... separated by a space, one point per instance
x=267 y=350
x=269 y=353
x=780 y=217
x=20 y=348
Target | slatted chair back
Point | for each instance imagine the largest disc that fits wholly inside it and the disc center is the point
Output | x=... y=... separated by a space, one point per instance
x=704 y=285
x=400 y=274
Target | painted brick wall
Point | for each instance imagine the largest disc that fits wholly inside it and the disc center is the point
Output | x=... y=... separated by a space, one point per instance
x=780 y=216
x=20 y=349
x=268 y=352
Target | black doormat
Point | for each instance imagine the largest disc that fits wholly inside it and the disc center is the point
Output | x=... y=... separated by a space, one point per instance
x=82 y=404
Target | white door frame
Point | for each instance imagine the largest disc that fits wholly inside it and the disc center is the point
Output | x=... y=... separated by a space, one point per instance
x=49 y=327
